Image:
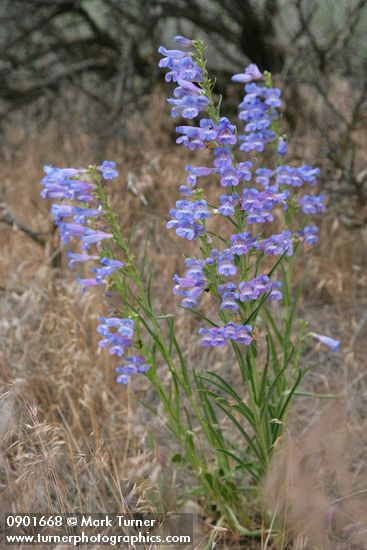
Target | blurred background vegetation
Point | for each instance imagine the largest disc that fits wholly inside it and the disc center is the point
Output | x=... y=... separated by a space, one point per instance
x=92 y=63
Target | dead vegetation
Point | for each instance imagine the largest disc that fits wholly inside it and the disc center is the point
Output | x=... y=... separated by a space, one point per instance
x=72 y=440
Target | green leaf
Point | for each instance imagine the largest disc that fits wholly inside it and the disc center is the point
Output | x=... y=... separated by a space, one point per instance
x=199 y=314
x=178 y=459
x=273 y=386
x=304 y=393
x=242 y=431
x=246 y=465
x=221 y=384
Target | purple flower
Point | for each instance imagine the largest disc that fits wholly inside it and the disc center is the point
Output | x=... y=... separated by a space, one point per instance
x=282 y=147
x=278 y=244
x=75 y=257
x=170 y=55
x=258 y=204
x=247 y=292
x=334 y=345
x=251 y=290
x=208 y=130
x=58 y=184
x=190 y=99
x=196 y=172
x=92 y=237
x=310 y=234
x=188 y=107
x=251 y=73
x=70 y=230
x=183 y=41
x=226 y=132
x=242 y=243
x=241 y=334
x=229 y=296
x=213 y=258
x=118 y=340
x=263 y=176
x=212 y=337
x=229 y=176
x=133 y=364
x=222 y=157
x=296 y=176
x=84 y=214
x=261 y=284
x=276 y=293
x=219 y=336
x=87 y=283
x=190 y=137
x=192 y=284
x=272 y=97
x=110 y=266
x=185 y=217
x=312 y=204
x=257 y=109
x=108 y=169
x=122 y=326
x=309 y=174
x=244 y=172
x=226 y=266
x=78 y=190
x=60 y=211
x=227 y=204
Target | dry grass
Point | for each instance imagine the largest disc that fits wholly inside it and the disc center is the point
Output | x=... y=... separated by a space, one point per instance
x=71 y=440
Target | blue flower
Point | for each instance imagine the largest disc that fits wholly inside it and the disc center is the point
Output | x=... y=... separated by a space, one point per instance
x=312 y=204
x=118 y=340
x=110 y=266
x=208 y=130
x=76 y=257
x=282 y=147
x=226 y=266
x=227 y=204
x=108 y=169
x=219 y=336
x=87 y=283
x=278 y=244
x=91 y=236
x=133 y=364
x=190 y=137
x=192 y=284
x=60 y=211
x=334 y=345
x=260 y=285
x=226 y=134
x=310 y=234
x=186 y=216
x=296 y=176
x=242 y=243
x=183 y=41
x=252 y=72
x=257 y=110
x=70 y=230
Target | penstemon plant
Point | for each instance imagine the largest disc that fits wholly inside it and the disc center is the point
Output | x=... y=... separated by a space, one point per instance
x=239 y=262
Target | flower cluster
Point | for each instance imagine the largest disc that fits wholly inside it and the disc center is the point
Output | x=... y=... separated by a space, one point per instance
x=186 y=218
x=219 y=336
x=189 y=98
x=192 y=284
x=252 y=192
x=80 y=216
x=257 y=109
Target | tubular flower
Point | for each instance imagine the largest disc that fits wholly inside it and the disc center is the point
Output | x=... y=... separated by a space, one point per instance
x=245 y=207
x=80 y=216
